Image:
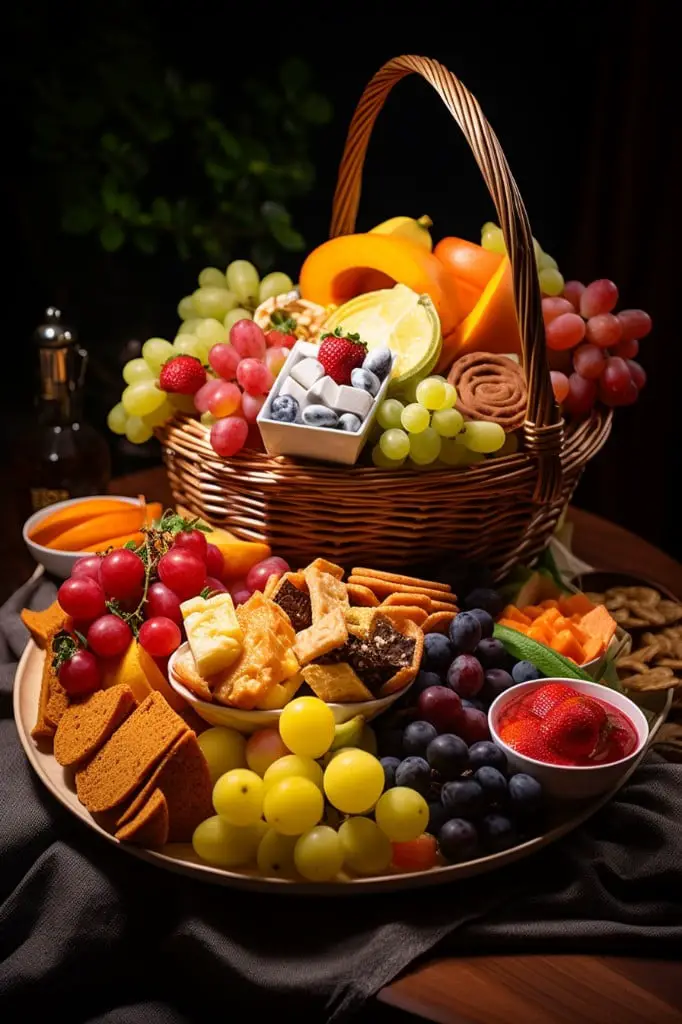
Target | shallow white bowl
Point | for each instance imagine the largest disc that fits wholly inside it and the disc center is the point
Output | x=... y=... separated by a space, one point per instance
x=562 y=781
x=249 y=721
x=60 y=563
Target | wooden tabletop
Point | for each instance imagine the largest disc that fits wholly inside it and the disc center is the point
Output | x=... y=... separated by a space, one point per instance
x=519 y=989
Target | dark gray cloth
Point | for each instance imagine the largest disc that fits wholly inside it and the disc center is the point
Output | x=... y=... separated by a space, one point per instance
x=97 y=936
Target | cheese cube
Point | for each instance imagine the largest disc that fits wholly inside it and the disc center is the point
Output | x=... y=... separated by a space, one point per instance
x=353 y=400
x=213 y=632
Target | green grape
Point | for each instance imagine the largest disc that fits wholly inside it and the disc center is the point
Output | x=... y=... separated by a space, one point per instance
x=353 y=781
x=235 y=315
x=214 y=302
x=227 y=846
x=136 y=370
x=160 y=416
x=382 y=461
x=276 y=855
x=402 y=813
x=425 y=447
x=431 y=393
x=547 y=262
x=224 y=749
x=190 y=326
x=395 y=444
x=183 y=403
x=207 y=419
x=238 y=797
x=117 y=419
x=274 y=284
x=447 y=422
x=143 y=398
x=537 y=249
x=189 y=345
x=186 y=308
x=366 y=849
x=453 y=454
x=137 y=430
x=211 y=277
x=415 y=418
x=210 y=332
x=293 y=806
x=551 y=282
x=389 y=413
x=318 y=855
x=242 y=279
x=450 y=396
x=306 y=726
x=156 y=352
x=483 y=437
x=493 y=241
x=293 y=765
x=489 y=225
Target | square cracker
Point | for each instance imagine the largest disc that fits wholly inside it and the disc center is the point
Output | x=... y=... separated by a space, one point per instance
x=360 y=621
x=323 y=636
x=297 y=579
x=406 y=675
x=323 y=565
x=337 y=684
x=326 y=593
x=185 y=669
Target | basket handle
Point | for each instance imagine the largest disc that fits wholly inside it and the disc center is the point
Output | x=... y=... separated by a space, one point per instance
x=543 y=427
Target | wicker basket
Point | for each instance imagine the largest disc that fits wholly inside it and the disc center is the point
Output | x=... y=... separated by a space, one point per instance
x=501 y=511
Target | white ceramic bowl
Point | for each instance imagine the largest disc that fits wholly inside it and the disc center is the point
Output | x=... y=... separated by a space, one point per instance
x=249 y=721
x=566 y=782
x=60 y=563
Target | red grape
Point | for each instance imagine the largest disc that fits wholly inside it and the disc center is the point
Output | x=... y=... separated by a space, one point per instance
x=627 y=395
x=567 y=330
x=215 y=585
x=599 y=297
x=442 y=708
x=204 y=394
x=589 y=361
x=82 y=598
x=184 y=573
x=553 y=306
x=228 y=435
x=122 y=574
x=573 y=291
x=80 y=674
x=251 y=406
x=559 y=385
x=88 y=566
x=225 y=399
x=109 y=636
x=259 y=574
x=636 y=324
x=224 y=359
x=254 y=376
x=215 y=563
x=193 y=541
x=604 y=330
x=160 y=636
x=616 y=375
x=581 y=396
x=247 y=338
x=628 y=348
x=636 y=373
x=240 y=592
x=474 y=728
x=162 y=601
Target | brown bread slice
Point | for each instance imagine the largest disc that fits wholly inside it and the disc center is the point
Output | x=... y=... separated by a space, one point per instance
x=127 y=758
x=183 y=778
x=44 y=730
x=57 y=700
x=150 y=825
x=43 y=625
x=86 y=727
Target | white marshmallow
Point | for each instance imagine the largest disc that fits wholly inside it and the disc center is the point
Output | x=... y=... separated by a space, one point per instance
x=353 y=400
x=326 y=392
x=293 y=388
x=307 y=372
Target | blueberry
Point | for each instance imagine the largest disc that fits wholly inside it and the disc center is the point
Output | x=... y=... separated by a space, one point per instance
x=525 y=672
x=378 y=362
x=489 y=600
x=486 y=621
x=465 y=675
x=525 y=794
x=438 y=653
x=473 y=702
x=423 y=681
x=389 y=764
x=491 y=653
x=458 y=840
x=437 y=817
x=463 y=797
x=487 y=753
x=497 y=831
x=465 y=632
x=493 y=784
x=284 y=409
x=448 y=755
x=365 y=380
x=414 y=772
x=417 y=737
x=497 y=680
x=319 y=416
x=349 y=422
x=390 y=742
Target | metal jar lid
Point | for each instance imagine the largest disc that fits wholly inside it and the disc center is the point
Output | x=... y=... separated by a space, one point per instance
x=53 y=333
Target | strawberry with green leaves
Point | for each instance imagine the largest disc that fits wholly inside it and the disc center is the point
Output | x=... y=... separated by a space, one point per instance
x=340 y=354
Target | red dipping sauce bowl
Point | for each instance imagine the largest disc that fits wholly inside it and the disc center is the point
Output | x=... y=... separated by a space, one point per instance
x=573 y=781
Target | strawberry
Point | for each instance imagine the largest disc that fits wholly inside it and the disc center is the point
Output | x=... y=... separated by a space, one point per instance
x=340 y=354
x=547 y=697
x=182 y=375
x=279 y=339
x=574 y=727
x=524 y=735
x=282 y=332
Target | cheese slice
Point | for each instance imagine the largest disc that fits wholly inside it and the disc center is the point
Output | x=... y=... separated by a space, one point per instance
x=213 y=631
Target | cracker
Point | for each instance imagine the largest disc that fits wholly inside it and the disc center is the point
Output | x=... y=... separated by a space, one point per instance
x=671 y=611
x=85 y=727
x=674 y=663
x=438 y=622
x=405 y=675
x=323 y=636
x=150 y=826
x=383 y=588
x=45 y=624
x=393 y=577
x=420 y=600
x=326 y=593
x=337 y=684
x=361 y=597
x=322 y=565
x=401 y=612
x=652 y=679
x=280 y=693
x=185 y=669
x=268 y=659
x=360 y=620
x=297 y=579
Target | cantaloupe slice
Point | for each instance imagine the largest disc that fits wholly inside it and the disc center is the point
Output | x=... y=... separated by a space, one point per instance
x=491 y=326
x=511 y=612
x=575 y=604
x=565 y=643
x=598 y=623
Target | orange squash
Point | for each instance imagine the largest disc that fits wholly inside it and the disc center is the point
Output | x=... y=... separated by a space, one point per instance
x=470 y=265
x=104 y=527
x=351 y=265
x=62 y=519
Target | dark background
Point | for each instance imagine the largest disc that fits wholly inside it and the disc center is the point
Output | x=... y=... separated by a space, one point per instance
x=585 y=101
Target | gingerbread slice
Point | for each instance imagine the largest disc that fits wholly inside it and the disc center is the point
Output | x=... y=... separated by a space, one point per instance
x=149 y=827
x=86 y=727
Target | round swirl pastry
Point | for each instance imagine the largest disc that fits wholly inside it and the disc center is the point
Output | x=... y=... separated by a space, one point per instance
x=490 y=387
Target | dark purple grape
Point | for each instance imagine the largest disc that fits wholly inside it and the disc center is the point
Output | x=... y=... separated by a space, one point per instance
x=489 y=600
x=438 y=653
x=497 y=832
x=492 y=654
x=458 y=840
x=486 y=621
x=525 y=794
x=417 y=737
x=422 y=682
x=525 y=672
x=463 y=798
x=448 y=755
x=437 y=817
x=497 y=680
x=474 y=726
x=485 y=752
x=415 y=773
x=465 y=675
x=465 y=632
x=389 y=764
x=493 y=784
x=474 y=702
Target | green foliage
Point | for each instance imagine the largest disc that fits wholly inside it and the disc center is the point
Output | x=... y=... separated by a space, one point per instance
x=141 y=155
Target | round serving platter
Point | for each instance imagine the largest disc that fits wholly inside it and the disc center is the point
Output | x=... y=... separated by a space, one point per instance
x=180 y=857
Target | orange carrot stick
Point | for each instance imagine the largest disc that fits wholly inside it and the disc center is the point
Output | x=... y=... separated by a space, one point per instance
x=104 y=527
x=63 y=519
